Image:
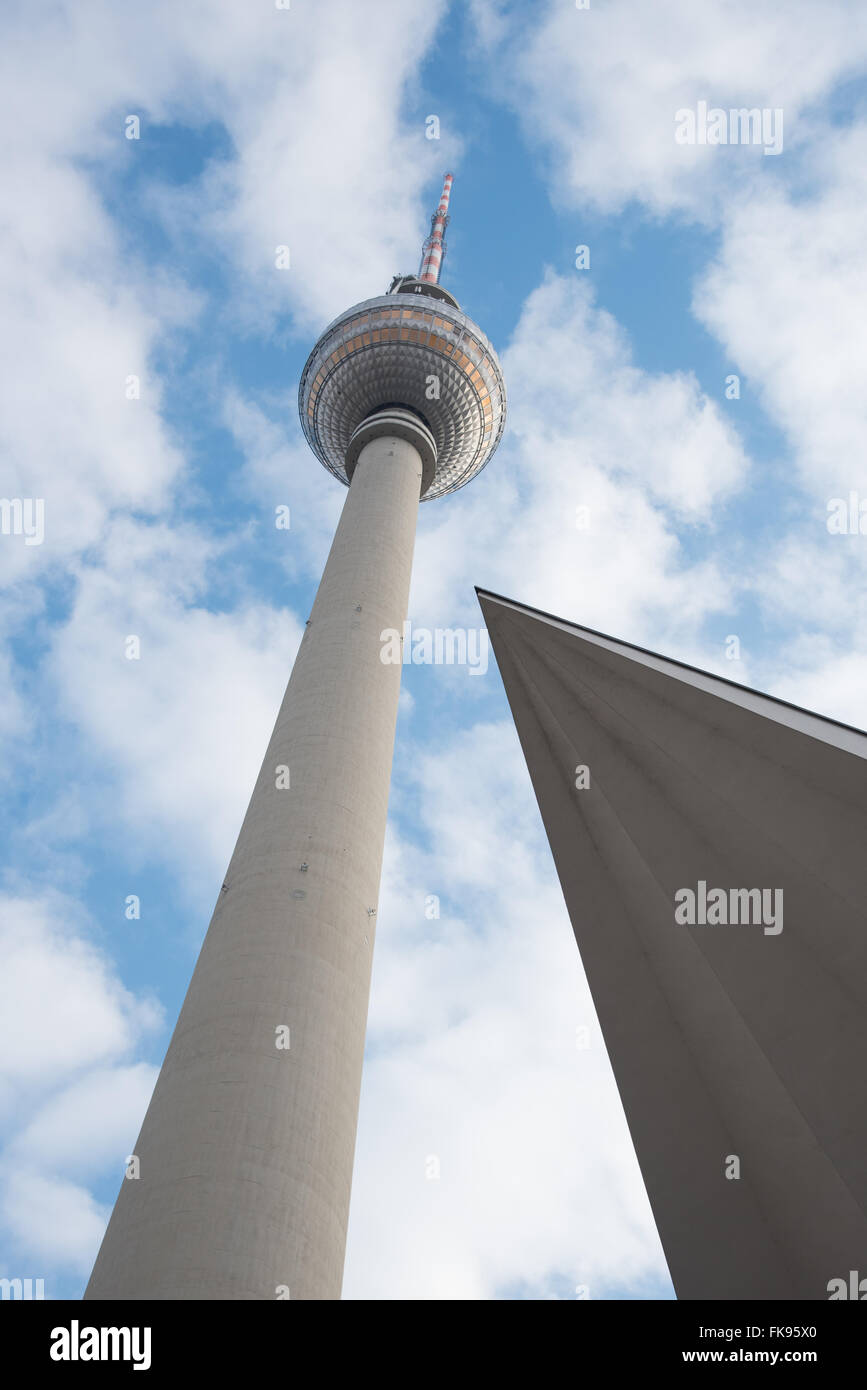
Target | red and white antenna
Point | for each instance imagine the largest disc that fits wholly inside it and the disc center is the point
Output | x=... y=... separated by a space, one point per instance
x=434 y=247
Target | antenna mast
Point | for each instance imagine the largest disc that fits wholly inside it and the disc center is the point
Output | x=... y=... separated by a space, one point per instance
x=434 y=247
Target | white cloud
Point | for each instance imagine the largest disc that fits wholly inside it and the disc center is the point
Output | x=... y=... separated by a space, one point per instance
x=331 y=171
x=833 y=683
x=90 y=1125
x=782 y=297
x=812 y=584
x=473 y=1068
x=308 y=103
x=70 y=1105
x=640 y=452
x=181 y=729
x=72 y=335
x=574 y=383
x=61 y=1004
x=310 y=98
x=598 y=89
x=277 y=472
x=51 y=1219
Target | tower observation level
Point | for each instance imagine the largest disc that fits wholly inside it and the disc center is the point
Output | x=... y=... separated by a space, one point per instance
x=411 y=349
x=246 y=1151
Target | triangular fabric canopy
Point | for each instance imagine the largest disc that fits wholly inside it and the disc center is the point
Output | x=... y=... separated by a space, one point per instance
x=738 y=1046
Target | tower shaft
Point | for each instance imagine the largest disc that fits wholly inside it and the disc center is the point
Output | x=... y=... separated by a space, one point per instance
x=247 y=1147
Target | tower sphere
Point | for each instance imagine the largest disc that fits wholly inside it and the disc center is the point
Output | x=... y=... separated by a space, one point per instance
x=414 y=349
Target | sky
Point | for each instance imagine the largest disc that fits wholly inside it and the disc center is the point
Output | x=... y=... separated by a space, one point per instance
x=686 y=413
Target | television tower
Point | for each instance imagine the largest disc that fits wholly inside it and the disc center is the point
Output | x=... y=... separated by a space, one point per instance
x=245 y=1156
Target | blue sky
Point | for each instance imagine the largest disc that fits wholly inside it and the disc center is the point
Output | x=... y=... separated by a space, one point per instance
x=155 y=257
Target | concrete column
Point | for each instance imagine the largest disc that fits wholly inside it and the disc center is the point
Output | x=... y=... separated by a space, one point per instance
x=247 y=1148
